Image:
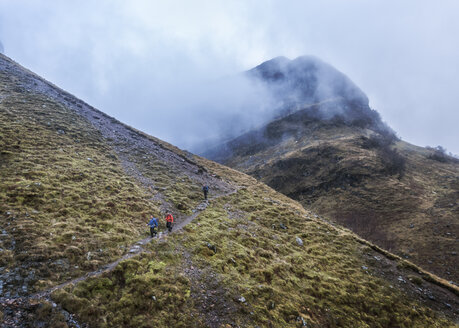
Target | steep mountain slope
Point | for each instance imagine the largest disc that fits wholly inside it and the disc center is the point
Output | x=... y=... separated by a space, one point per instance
x=77 y=187
x=338 y=158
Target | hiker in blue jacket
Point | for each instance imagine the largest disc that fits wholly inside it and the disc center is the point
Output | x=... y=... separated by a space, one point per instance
x=153 y=225
x=205 y=190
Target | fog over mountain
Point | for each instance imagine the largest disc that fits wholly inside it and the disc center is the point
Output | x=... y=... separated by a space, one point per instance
x=165 y=67
x=305 y=80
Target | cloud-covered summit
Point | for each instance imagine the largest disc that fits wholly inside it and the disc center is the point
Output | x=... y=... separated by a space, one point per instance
x=307 y=80
x=276 y=88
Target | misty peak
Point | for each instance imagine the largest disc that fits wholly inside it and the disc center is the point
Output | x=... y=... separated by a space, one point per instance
x=307 y=80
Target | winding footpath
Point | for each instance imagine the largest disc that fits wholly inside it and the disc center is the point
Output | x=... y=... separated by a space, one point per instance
x=134 y=250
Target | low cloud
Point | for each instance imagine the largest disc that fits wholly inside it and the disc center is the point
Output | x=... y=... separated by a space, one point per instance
x=199 y=114
x=150 y=64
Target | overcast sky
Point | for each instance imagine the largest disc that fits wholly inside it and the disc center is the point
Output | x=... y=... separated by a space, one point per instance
x=145 y=61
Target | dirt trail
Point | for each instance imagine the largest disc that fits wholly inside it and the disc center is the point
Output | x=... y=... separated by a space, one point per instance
x=134 y=250
x=21 y=303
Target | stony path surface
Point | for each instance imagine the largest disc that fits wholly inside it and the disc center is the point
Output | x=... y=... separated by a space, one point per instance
x=213 y=300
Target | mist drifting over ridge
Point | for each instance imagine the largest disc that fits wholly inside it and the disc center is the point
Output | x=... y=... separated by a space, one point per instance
x=276 y=88
x=218 y=110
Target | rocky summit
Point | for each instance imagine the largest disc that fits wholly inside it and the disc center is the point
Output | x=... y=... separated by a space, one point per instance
x=77 y=188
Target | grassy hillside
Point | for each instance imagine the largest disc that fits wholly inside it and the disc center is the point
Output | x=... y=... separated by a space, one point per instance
x=257 y=274
x=67 y=206
x=77 y=187
x=402 y=197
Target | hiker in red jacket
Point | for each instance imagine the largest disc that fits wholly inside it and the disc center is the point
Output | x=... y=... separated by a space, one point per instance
x=169 y=221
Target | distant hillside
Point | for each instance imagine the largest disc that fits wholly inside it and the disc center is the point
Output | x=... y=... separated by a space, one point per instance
x=77 y=188
x=352 y=168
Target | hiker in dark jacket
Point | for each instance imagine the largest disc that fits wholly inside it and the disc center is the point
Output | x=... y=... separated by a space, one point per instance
x=169 y=221
x=153 y=225
x=205 y=190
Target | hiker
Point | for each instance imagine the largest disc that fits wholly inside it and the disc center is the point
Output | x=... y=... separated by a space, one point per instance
x=169 y=221
x=205 y=190
x=153 y=225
